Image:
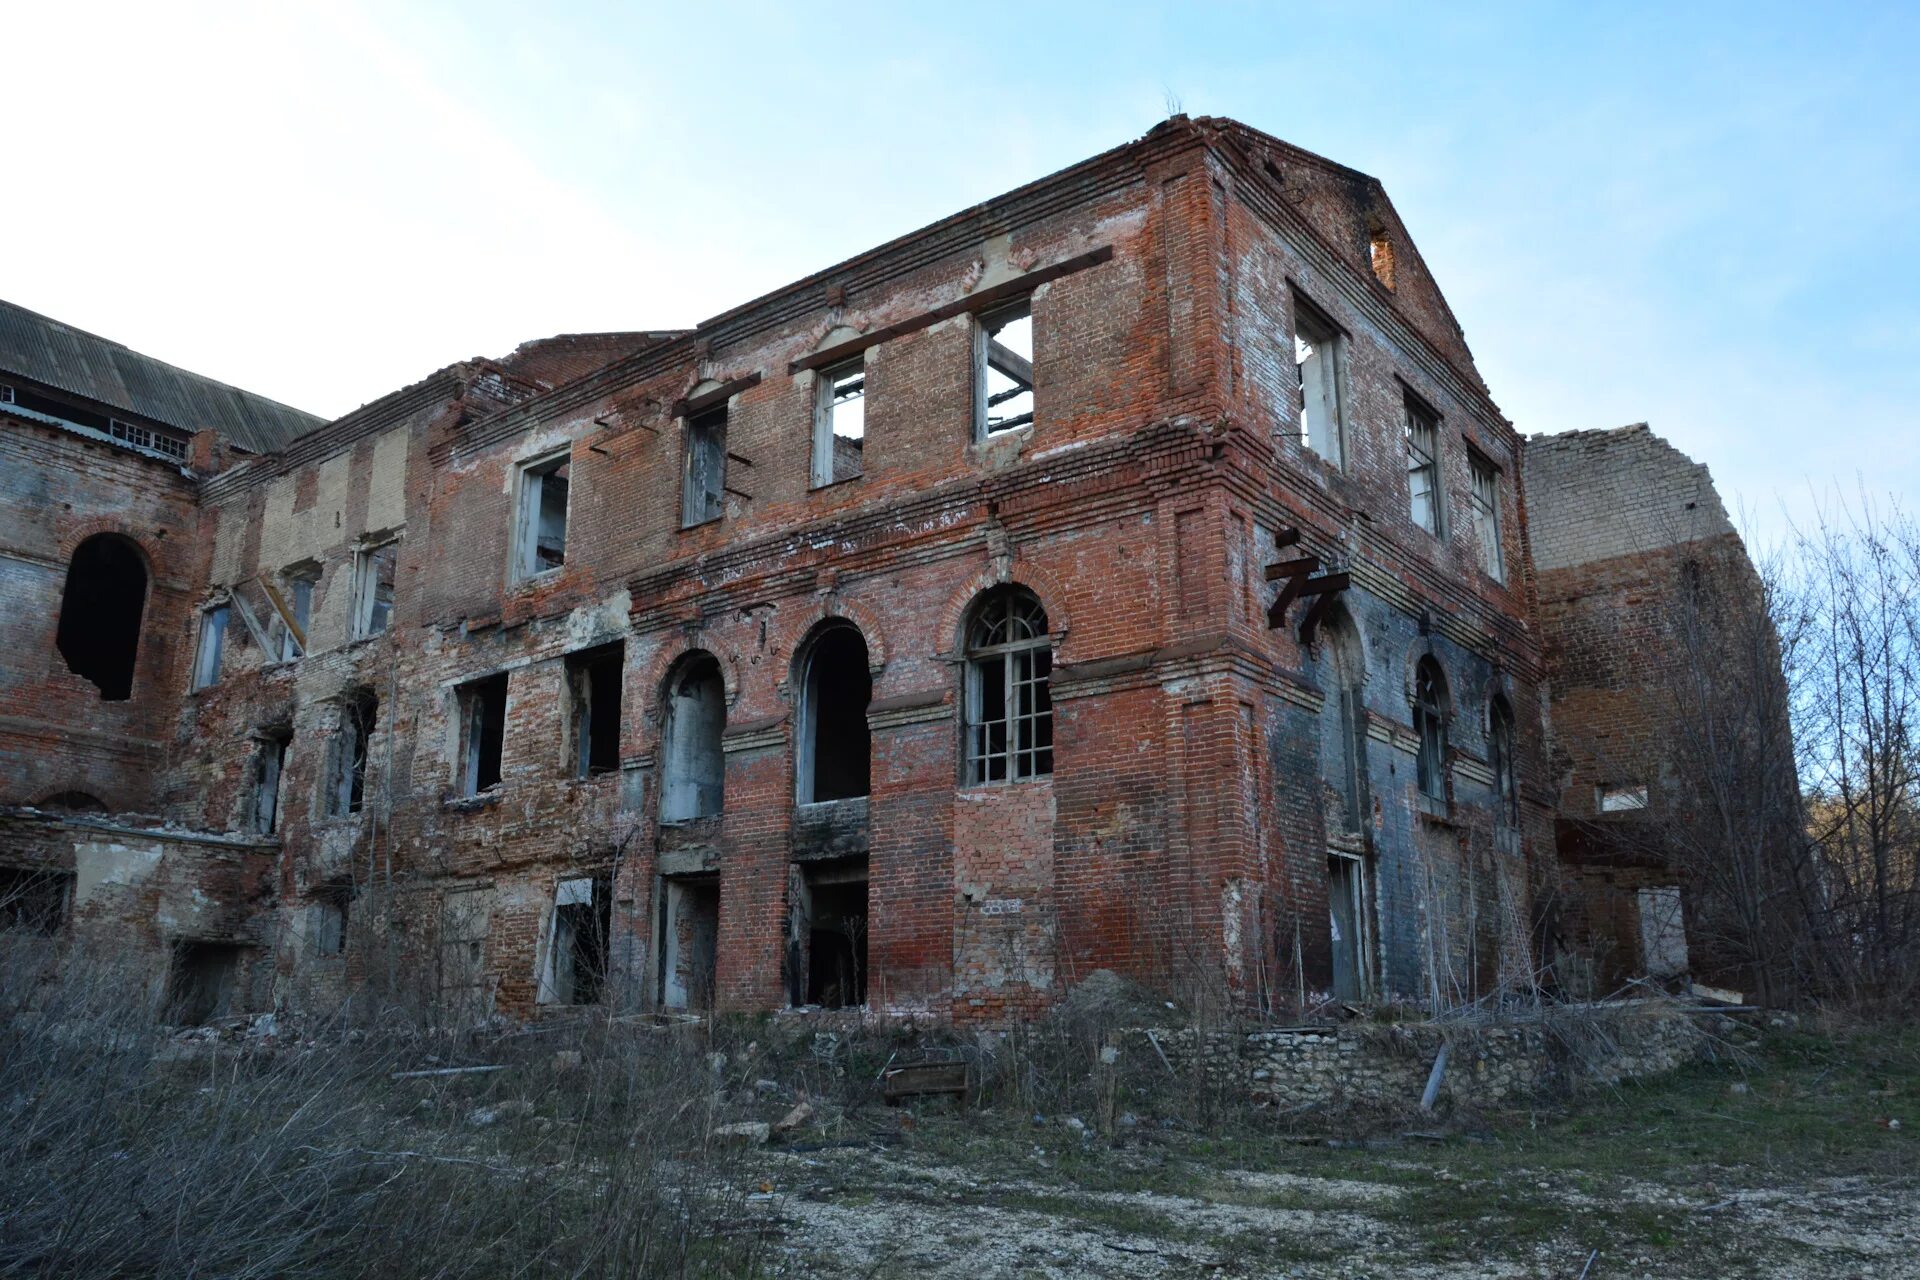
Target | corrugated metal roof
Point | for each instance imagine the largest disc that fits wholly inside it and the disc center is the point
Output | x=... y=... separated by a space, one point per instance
x=58 y=355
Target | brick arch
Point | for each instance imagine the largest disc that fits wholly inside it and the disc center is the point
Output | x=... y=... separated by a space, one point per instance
x=653 y=676
x=796 y=628
x=1052 y=596
x=1418 y=652
x=1497 y=685
x=79 y=533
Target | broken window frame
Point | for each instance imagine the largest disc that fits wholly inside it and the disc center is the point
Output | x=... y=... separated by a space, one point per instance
x=564 y=940
x=835 y=399
x=703 y=484
x=994 y=361
x=269 y=778
x=1423 y=467
x=586 y=669
x=531 y=554
x=806 y=968
x=1486 y=514
x=1430 y=729
x=1009 y=666
x=296 y=590
x=346 y=778
x=373 y=598
x=328 y=917
x=1317 y=339
x=809 y=720
x=210 y=651
x=483 y=732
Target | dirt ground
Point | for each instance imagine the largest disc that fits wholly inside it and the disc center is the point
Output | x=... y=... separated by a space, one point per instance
x=1798 y=1162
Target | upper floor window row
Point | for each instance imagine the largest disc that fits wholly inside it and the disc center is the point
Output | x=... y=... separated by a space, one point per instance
x=1002 y=398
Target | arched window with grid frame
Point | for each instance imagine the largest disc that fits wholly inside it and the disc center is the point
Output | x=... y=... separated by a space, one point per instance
x=1009 y=711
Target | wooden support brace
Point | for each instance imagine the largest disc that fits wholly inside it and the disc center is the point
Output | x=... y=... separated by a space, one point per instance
x=286 y=615
x=1292 y=568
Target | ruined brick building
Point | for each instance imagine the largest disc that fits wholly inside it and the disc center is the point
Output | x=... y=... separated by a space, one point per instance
x=1131 y=572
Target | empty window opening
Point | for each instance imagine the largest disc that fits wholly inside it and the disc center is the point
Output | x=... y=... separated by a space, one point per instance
x=373 y=588
x=594 y=679
x=204 y=982
x=1486 y=516
x=327 y=919
x=347 y=760
x=100 y=610
x=703 y=495
x=839 y=422
x=1430 y=726
x=1380 y=257
x=689 y=941
x=695 y=768
x=1621 y=797
x=1350 y=905
x=296 y=597
x=1423 y=469
x=1003 y=370
x=1009 y=720
x=1506 y=790
x=541 y=532
x=577 y=944
x=834 y=744
x=483 y=731
x=1316 y=359
x=269 y=765
x=1343 y=754
x=34 y=899
x=213 y=645
x=827 y=935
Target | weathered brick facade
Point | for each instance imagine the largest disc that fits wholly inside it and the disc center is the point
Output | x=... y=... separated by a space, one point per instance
x=1203 y=764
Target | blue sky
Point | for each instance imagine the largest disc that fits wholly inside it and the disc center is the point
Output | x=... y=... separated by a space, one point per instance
x=1705 y=216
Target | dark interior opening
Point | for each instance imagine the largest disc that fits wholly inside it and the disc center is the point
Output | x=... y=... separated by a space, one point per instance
x=486 y=731
x=204 y=984
x=596 y=676
x=830 y=920
x=34 y=899
x=100 y=610
x=839 y=687
x=581 y=931
x=73 y=802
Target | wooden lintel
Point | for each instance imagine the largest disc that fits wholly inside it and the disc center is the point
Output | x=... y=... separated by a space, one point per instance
x=1292 y=568
x=716 y=397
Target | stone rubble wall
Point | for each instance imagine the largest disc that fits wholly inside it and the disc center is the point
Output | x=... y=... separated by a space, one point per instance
x=1387 y=1064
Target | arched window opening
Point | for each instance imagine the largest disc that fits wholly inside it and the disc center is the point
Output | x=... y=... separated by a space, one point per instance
x=1430 y=726
x=694 y=770
x=1506 y=791
x=100 y=611
x=835 y=748
x=1009 y=705
x=73 y=802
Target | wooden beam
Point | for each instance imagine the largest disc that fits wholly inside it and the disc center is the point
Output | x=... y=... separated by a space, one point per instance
x=1292 y=568
x=1284 y=538
x=1316 y=614
x=716 y=397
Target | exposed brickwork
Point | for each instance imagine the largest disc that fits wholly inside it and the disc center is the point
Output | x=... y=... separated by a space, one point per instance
x=1183 y=834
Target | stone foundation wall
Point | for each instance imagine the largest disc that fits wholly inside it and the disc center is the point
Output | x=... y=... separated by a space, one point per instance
x=1376 y=1064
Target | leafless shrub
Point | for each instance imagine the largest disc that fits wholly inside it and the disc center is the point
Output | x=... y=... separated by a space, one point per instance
x=128 y=1149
